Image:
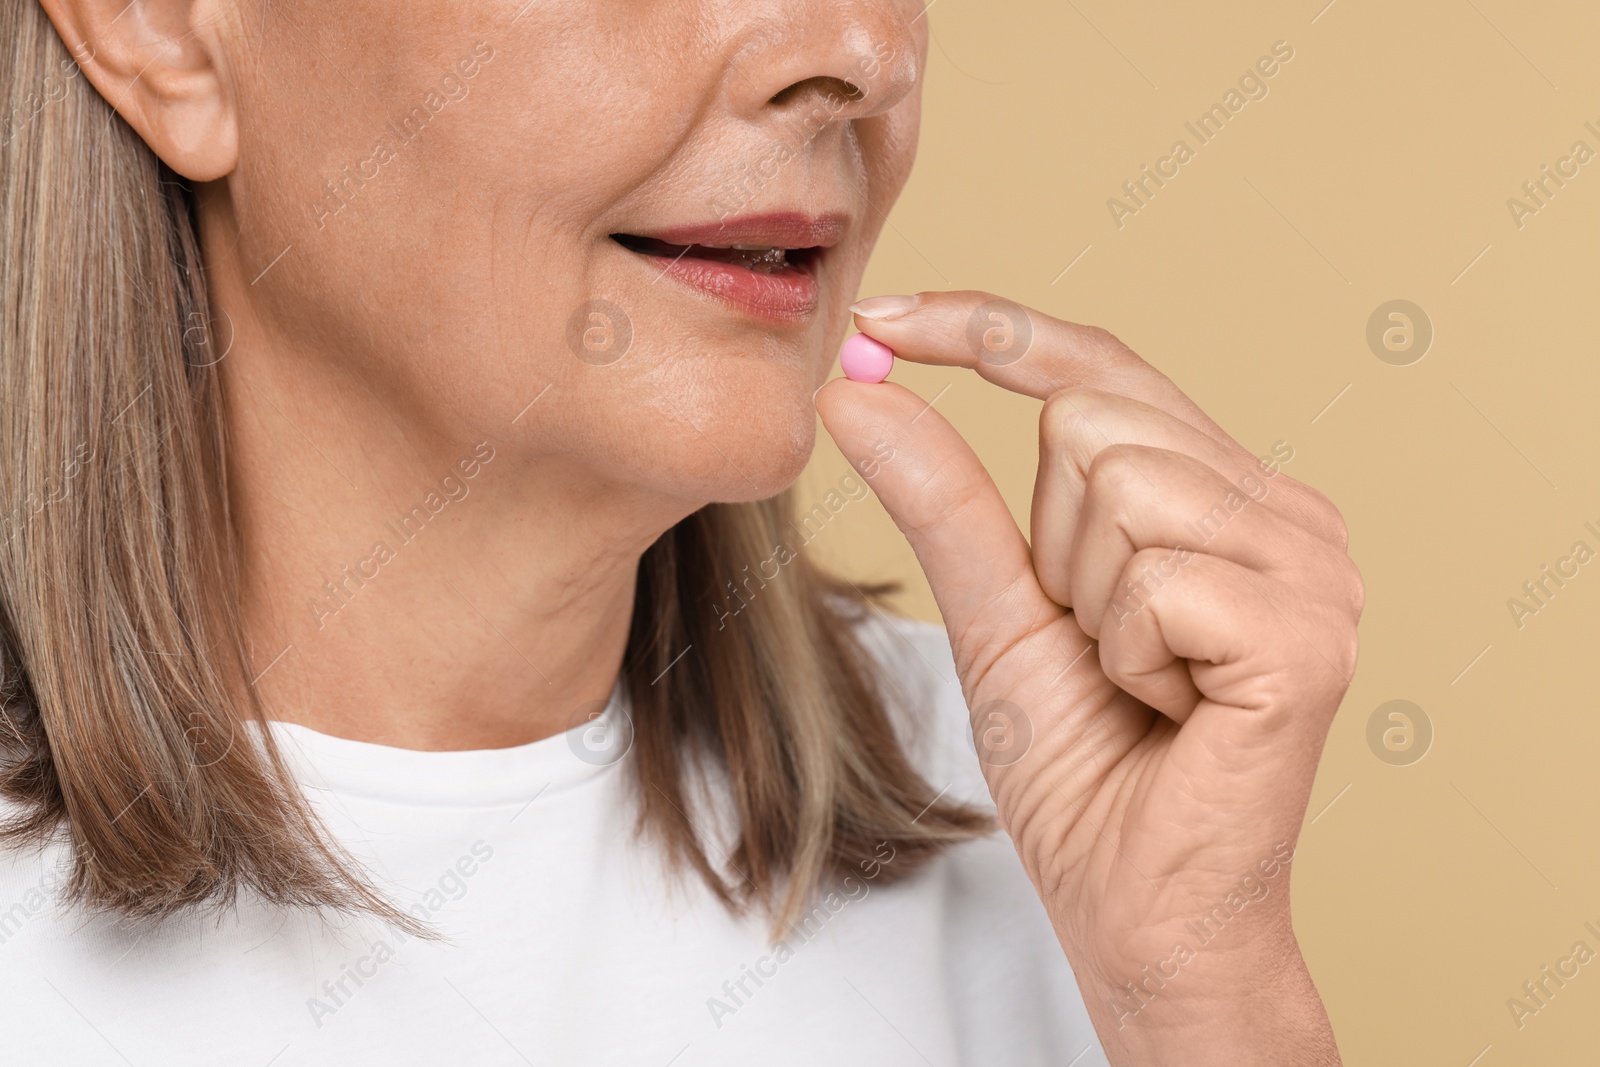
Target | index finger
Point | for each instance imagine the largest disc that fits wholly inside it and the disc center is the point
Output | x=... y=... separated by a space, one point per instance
x=1023 y=350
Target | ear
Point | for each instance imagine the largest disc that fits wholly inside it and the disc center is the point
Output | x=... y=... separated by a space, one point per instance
x=160 y=65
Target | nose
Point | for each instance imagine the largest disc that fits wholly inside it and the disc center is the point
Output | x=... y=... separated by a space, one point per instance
x=828 y=61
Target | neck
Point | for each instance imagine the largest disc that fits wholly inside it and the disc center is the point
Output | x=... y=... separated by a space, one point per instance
x=415 y=586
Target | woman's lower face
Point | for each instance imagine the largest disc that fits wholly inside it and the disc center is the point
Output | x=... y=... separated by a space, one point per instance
x=619 y=236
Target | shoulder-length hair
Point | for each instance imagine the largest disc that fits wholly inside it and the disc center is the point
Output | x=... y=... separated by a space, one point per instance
x=123 y=672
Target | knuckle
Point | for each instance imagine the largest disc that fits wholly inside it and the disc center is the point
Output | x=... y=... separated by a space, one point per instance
x=1355 y=587
x=1275 y=694
x=1326 y=519
x=1350 y=651
x=1069 y=414
x=1341 y=647
x=1140 y=586
x=968 y=302
x=1108 y=351
x=1151 y=559
x=1113 y=474
x=1104 y=340
x=979 y=652
x=941 y=497
x=1338 y=529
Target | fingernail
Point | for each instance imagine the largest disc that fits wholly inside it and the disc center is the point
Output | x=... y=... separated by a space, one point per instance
x=884 y=307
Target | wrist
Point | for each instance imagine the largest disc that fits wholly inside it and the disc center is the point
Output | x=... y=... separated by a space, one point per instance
x=1251 y=1002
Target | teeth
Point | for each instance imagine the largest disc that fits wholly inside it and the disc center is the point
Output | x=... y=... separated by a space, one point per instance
x=768 y=261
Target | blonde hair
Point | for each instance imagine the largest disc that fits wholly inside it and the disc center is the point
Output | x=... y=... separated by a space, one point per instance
x=123 y=677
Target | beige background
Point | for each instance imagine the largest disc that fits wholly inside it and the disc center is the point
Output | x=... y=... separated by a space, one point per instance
x=1378 y=167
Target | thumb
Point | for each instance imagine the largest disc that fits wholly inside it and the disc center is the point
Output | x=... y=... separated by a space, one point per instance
x=939 y=494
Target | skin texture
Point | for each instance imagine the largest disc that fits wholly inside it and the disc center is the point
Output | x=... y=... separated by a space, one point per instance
x=425 y=316
x=371 y=350
x=1174 y=643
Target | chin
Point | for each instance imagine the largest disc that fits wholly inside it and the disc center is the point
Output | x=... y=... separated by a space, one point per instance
x=721 y=422
x=748 y=453
x=752 y=454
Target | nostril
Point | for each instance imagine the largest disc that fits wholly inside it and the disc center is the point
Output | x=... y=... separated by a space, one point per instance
x=830 y=88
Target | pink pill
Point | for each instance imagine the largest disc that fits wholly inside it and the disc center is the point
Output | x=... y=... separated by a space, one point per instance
x=866 y=360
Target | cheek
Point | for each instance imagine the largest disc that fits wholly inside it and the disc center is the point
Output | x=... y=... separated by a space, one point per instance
x=449 y=261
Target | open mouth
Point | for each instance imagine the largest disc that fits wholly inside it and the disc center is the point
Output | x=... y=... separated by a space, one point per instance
x=762 y=259
x=765 y=266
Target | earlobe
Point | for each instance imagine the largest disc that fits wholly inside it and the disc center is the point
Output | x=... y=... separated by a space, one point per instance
x=160 y=65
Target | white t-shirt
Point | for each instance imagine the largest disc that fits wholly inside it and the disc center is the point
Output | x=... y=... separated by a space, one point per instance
x=568 y=944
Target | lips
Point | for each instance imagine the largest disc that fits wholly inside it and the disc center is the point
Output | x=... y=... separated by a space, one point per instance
x=765 y=266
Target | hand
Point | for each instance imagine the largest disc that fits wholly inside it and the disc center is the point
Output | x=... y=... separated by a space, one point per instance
x=1151 y=683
